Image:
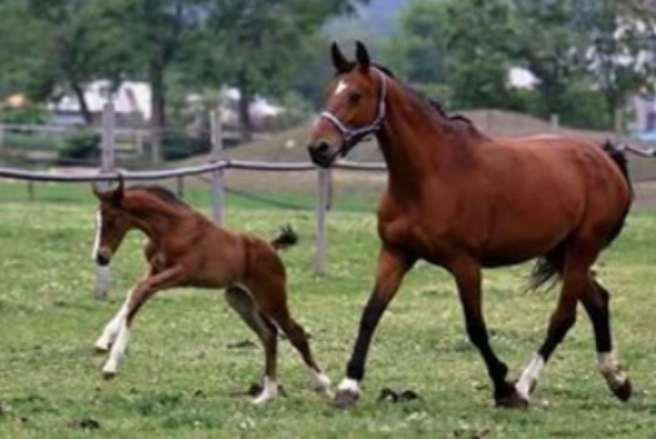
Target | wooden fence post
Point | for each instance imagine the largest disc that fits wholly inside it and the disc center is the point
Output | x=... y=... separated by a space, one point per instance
x=555 y=122
x=324 y=183
x=103 y=273
x=2 y=135
x=179 y=187
x=218 y=188
x=30 y=190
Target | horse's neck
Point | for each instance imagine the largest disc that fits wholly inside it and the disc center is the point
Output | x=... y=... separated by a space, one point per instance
x=412 y=141
x=155 y=219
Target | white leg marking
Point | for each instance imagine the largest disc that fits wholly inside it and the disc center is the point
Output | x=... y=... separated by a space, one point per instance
x=118 y=350
x=611 y=370
x=349 y=385
x=529 y=377
x=96 y=242
x=113 y=326
x=341 y=86
x=269 y=391
x=321 y=382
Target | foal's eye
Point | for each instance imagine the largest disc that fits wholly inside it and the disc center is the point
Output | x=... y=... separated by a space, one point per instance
x=354 y=98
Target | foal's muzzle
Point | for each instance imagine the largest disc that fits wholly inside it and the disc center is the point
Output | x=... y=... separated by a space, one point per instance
x=103 y=257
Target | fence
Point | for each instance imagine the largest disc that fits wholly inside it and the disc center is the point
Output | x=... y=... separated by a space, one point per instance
x=216 y=168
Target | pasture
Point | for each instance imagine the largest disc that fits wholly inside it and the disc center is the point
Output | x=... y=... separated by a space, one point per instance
x=188 y=355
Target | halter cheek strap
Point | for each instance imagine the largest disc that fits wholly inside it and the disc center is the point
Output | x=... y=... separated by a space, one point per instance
x=352 y=134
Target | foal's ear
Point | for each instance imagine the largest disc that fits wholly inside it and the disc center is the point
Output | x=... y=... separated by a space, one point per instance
x=362 y=55
x=342 y=65
x=112 y=196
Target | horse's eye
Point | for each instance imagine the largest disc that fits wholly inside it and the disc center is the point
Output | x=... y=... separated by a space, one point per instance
x=354 y=98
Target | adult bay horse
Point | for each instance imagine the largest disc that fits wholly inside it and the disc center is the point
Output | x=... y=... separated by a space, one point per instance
x=185 y=249
x=465 y=201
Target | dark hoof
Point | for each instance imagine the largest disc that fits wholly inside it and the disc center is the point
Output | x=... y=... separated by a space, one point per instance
x=345 y=399
x=108 y=376
x=624 y=391
x=509 y=398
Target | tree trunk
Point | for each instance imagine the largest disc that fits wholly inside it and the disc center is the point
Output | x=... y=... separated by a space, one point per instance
x=82 y=101
x=245 y=99
x=157 y=108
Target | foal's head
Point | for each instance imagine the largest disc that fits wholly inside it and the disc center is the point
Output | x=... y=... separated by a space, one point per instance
x=355 y=107
x=112 y=223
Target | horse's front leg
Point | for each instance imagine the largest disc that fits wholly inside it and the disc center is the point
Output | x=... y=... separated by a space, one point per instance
x=392 y=266
x=139 y=295
x=467 y=274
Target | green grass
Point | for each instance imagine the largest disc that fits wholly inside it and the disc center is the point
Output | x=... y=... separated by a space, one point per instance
x=179 y=374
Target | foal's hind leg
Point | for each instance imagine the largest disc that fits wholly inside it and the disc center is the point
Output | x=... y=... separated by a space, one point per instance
x=241 y=301
x=271 y=298
x=596 y=301
x=577 y=261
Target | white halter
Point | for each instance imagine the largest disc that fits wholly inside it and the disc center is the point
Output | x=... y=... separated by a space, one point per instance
x=354 y=134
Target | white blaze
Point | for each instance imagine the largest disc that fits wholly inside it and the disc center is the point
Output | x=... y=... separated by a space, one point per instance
x=96 y=242
x=341 y=86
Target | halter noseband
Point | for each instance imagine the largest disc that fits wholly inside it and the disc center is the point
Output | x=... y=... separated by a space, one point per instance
x=353 y=135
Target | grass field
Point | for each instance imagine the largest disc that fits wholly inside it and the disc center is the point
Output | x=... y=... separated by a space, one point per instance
x=182 y=370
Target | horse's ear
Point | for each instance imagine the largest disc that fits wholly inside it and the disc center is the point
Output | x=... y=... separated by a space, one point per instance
x=362 y=56
x=342 y=65
x=113 y=196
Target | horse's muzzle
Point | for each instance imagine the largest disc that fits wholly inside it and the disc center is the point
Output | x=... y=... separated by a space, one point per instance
x=321 y=154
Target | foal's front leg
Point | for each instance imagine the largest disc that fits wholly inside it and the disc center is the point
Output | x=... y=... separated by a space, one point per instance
x=139 y=295
x=392 y=266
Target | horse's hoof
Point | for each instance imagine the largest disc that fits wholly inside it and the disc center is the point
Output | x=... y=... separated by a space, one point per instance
x=624 y=391
x=510 y=398
x=108 y=375
x=345 y=399
x=99 y=349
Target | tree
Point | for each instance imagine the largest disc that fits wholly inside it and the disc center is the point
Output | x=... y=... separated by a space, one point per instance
x=58 y=46
x=256 y=45
x=620 y=55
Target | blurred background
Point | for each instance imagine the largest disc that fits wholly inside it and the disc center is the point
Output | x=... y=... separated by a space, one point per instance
x=583 y=67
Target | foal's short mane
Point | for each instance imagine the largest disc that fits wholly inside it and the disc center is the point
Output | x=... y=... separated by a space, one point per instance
x=161 y=193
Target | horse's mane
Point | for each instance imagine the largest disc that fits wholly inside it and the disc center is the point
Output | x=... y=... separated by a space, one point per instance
x=433 y=103
x=162 y=193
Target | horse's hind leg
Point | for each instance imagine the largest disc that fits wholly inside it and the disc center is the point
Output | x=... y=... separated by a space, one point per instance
x=595 y=302
x=240 y=300
x=578 y=259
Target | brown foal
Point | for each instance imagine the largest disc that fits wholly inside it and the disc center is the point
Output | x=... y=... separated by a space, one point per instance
x=464 y=201
x=186 y=250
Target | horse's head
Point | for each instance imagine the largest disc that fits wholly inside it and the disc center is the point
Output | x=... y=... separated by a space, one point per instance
x=112 y=223
x=355 y=107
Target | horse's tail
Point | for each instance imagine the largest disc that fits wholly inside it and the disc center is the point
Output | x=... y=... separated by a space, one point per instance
x=619 y=157
x=285 y=239
x=547 y=270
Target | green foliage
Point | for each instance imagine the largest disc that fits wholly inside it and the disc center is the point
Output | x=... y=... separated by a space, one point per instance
x=80 y=146
x=179 y=146
x=29 y=114
x=32 y=141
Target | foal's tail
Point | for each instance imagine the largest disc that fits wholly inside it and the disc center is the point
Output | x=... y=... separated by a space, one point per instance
x=285 y=239
x=546 y=270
